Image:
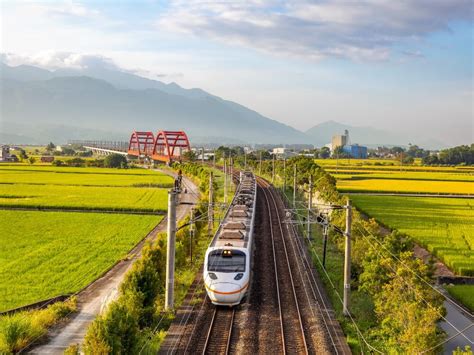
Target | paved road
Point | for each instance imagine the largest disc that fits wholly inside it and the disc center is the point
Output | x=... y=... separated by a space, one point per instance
x=96 y=296
x=461 y=320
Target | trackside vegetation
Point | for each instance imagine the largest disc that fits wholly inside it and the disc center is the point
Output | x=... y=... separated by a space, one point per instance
x=392 y=303
x=20 y=329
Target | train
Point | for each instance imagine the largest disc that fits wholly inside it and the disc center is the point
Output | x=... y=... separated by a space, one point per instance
x=228 y=259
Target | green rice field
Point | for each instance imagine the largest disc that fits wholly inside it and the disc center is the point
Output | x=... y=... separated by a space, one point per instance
x=49 y=253
x=444 y=226
x=45 y=254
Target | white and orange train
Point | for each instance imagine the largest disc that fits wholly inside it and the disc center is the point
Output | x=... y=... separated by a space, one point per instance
x=228 y=259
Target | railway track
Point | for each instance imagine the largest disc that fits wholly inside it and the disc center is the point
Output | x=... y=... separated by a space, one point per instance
x=220 y=331
x=288 y=311
x=292 y=332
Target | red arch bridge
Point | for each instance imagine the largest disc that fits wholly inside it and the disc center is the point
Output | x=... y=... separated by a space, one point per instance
x=166 y=146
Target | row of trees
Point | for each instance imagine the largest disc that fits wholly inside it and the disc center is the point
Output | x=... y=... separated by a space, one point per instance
x=462 y=154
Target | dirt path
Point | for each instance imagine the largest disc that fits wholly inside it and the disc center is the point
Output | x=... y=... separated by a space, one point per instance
x=93 y=299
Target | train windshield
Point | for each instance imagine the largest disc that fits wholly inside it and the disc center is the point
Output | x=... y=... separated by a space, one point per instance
x=226 y=261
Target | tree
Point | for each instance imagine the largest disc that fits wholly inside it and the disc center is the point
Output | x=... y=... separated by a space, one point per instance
x=115 y=161
x=324 y=153
x=189 y=155
x=31 y=160
x=339 y=152
x=50 y=146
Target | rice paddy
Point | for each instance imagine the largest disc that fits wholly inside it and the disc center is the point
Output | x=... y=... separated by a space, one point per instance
x=444 y=226
x=49 y=253
x=46 y=254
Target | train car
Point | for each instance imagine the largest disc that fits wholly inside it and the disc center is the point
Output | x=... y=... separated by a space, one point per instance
x=228 y=259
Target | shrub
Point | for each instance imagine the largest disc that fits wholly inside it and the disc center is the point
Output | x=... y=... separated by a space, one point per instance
x=115 y=161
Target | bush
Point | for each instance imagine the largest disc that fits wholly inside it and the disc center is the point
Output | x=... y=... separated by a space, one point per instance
x=20 y=329
x=115 y=161
x=76 y=162
x=58 y=163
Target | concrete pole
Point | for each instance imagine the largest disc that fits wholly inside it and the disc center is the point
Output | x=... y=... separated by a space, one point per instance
x=210 y=211
x=310 y=205
x=225 y=181
x=294 y=186
x=245 y=160
x=273 y=169
x=202 y=155
x=191 y=232
x=260 y=165
x=284 y=175
x=170 y=250
x=214 y=160
x=347 y=259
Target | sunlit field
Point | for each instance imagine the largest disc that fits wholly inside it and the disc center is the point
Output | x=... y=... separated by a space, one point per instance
x=46 y=254
x=443 y=225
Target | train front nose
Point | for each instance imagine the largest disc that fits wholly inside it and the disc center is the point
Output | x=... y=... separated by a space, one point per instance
x=225 y=293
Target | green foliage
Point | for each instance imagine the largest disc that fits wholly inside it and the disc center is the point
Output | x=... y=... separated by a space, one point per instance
x=466 y=351
x=462 y=154
x=50 y=146
x=76 y=162
x=31 y=160
x=20 y=329
x=72 y=349
x=115 y=161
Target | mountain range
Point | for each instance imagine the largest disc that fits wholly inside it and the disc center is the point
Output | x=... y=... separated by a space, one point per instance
x=39 y=106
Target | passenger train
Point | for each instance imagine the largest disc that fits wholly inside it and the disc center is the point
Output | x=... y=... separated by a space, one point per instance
x=228 y=259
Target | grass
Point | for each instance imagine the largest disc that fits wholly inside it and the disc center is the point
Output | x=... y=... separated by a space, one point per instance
x=442 y=225
x=83 y=197
x=45 y=254
x=464 y=294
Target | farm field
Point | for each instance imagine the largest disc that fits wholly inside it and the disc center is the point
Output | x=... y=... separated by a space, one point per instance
x=408 y=175
x=45 y=254
x=406 y=186
x=83 y=197
x=442 y=225
x=46 y=176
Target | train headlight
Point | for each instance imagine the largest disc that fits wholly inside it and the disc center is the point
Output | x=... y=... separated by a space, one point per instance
x=213 y=276
x=238 y=276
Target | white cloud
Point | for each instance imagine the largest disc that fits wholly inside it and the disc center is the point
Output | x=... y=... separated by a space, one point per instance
x=360 y=30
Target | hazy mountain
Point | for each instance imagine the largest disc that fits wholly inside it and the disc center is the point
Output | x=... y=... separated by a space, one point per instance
x=80 y=106
x=321 y=134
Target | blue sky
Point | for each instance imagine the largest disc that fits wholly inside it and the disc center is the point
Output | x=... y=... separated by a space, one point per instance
x=401 y=65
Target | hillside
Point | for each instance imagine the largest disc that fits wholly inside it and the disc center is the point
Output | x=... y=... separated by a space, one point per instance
x=118 y=102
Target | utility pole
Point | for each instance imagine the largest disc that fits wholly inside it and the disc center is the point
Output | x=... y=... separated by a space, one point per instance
x=347 y=259
x=202 y=155
x=225 y=181
x=260 y=165
x=273 y=169
x=310 y=205
x=294 y=185
x=214 y=160
x=170 y=250
x=191 y=232
x=245 y=159
x=210 y=211
x=325 y=243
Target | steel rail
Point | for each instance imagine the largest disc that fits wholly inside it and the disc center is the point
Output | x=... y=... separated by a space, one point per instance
x=215 y=336
x=265 y=186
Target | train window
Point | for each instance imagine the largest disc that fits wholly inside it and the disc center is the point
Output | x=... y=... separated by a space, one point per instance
x=218 y=262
